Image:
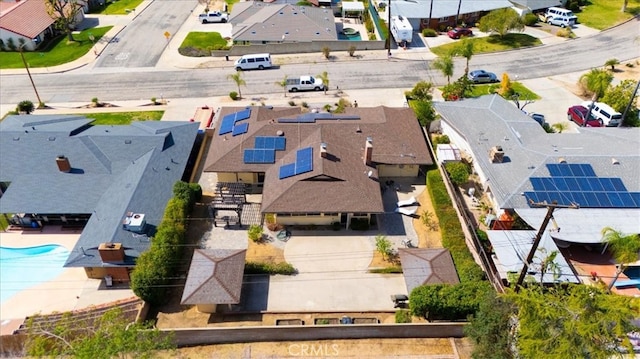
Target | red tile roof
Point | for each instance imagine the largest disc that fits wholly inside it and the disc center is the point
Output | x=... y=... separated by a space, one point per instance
x=27 y=18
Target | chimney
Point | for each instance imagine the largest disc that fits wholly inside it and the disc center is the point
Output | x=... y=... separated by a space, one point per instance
x=368 y=151
x=323 y=150
x=111 y=252
x=63 y=164
x=562 y=160
x=496 y=154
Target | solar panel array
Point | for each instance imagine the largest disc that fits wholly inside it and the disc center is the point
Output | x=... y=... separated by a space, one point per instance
x=578 y=184
x=228 y=123
x=259 y=155
x=276 y=143
x=303 y=164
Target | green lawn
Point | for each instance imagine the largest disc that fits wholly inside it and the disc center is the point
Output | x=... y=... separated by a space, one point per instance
x=488 y=89
x=118 y=7
x=492 y=43
x=205 y=41
x=123 y=118
x=230 y=4
x=57 y=52
x=602 y=14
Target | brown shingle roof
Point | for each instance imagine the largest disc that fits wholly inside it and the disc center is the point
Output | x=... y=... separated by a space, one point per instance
x=427 y=266
x=215 y=277
x=28 y=18
x=342 y=177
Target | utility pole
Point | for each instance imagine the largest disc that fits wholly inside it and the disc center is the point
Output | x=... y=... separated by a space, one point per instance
x=389 y=30
x=26 y=66
x=536 y=241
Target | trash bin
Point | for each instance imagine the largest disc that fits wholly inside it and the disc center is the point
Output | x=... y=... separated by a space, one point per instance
x=226 y=57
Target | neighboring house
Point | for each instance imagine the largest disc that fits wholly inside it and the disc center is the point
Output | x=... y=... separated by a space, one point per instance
x=441 y=14
x=317 y=168
x=27 y=22
x=215 y=277
x=519 y=164
x=527 y=6
x=112 y=182
x=262 y=23
x=424 y=266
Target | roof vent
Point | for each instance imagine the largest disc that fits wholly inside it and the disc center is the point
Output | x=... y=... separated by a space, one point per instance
x=614 y=161
x=323 y=150
x=358 y=130
x=562 y=160
x=63 y=164
x=496 y=154
x=280 y=133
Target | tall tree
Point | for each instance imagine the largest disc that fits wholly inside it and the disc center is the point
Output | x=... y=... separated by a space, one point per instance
x=501 y=21
x=237 y=78
x=445 y=65
x=596 y=82
x=465 y=49
x=620 y=96
x=490 y=328
x=324 y=76
x=573 y=321
x=106 y=336
x=623 y=247
x=64 y=12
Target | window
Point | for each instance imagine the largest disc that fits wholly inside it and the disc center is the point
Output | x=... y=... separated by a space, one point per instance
x=252 y=60
x=443 y=19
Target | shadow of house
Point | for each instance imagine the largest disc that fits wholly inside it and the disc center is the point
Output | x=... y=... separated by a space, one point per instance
x=215 y=277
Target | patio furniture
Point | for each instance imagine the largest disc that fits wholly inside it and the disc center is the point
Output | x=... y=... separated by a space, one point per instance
x=627 y=283
x=407 y=211
x=407 y=202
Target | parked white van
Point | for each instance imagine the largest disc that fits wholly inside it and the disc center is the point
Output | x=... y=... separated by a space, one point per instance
x=560 y=17
x=604 y=112
x=254 y=61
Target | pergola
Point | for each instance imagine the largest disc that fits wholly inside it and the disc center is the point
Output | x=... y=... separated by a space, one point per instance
x=351 y=7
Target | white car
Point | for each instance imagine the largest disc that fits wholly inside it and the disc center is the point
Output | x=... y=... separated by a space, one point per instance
x=213 y=16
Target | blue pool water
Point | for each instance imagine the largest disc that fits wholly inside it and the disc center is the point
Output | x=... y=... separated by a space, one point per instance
x=22 y=268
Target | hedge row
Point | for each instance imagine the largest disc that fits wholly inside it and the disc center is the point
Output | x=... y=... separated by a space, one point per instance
x=269 y=268
x=159 y=264
x=448 y=302
x=452 y=236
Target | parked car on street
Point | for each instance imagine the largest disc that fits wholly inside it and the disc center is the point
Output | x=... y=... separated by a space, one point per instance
x=538 y=117
x=578 y=114
x=213 y=16
x=482 y=77
x=459 y=32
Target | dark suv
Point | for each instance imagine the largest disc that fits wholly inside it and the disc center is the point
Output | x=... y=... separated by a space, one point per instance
x=578 y=113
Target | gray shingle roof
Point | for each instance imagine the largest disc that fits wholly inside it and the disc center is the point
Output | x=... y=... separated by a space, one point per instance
x=215 y=277
x=258 y=21
x=420 y=9
x=476 y=125
x=116 y=169
x=421 y=266
x=537 y=4
x=397 y=139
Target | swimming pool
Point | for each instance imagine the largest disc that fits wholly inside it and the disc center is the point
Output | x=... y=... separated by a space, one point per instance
x=22 y=268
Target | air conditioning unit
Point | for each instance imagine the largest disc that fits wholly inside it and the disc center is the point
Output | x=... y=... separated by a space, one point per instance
x=134 y=222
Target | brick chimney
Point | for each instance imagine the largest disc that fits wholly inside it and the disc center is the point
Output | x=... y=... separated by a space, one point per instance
x=323 y=150
x=111 y=252
x=368 y=151
x=63 y=164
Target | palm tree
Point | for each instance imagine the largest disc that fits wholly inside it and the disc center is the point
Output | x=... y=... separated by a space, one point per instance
x=237 y=78
x=445 y=65
x=283 y=84
x=596 y=81
x=623 y=247
x=548 y=264
x=324 y=76
x=560 y=126
x=465 y=49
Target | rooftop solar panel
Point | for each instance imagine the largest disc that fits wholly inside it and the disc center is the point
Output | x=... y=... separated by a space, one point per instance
x=269 y=156
x=226 y=125
x=636 y=198
x=304 y=160
x=603 y=199
x=618 y=185
x=590 y=200
x=576 y=170
x=288 y=170
x=588 y=170
x=595 y=184
x=536 y=183
x=280 y=143
x=615 y=199
x=259 y=142
x=627 y=200
x=554 y=170
x=240 y=128
x=242 y=115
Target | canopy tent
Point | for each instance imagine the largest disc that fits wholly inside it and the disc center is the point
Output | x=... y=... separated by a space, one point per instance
x=352 y=8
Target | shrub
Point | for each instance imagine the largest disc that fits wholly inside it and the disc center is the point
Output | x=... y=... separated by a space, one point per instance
x=283 y=268
x=196 y=191
x=25 y=106
x=255 y=233
x=292 y=103
x=153 y=100
x=384 y=247
x=458 y=172
x=336 y=226
x=448 y=302
x=442 y=139
x=326 y=51
x=530 y=19
x=304 y=104
x=422 y=91
x=95 y=100
x=233 y=95
x=565 y=32
x=387 y=270
x=429 y=33
x=403 y=316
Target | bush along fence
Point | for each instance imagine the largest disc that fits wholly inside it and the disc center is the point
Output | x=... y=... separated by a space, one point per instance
x=156 y=266
x=445 y=301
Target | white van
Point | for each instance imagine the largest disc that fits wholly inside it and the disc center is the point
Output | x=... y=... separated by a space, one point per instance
x=254 y=61
x=604 y=112
x=560 y=17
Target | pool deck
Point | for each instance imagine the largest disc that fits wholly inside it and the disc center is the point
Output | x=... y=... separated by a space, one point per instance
x=69 y=291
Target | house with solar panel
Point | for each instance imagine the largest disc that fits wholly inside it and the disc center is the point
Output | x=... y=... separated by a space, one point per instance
x=112 y=183
x=316 y=168
x=521 y=167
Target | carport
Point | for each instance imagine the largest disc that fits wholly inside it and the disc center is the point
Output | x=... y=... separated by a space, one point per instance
x=352 y=9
